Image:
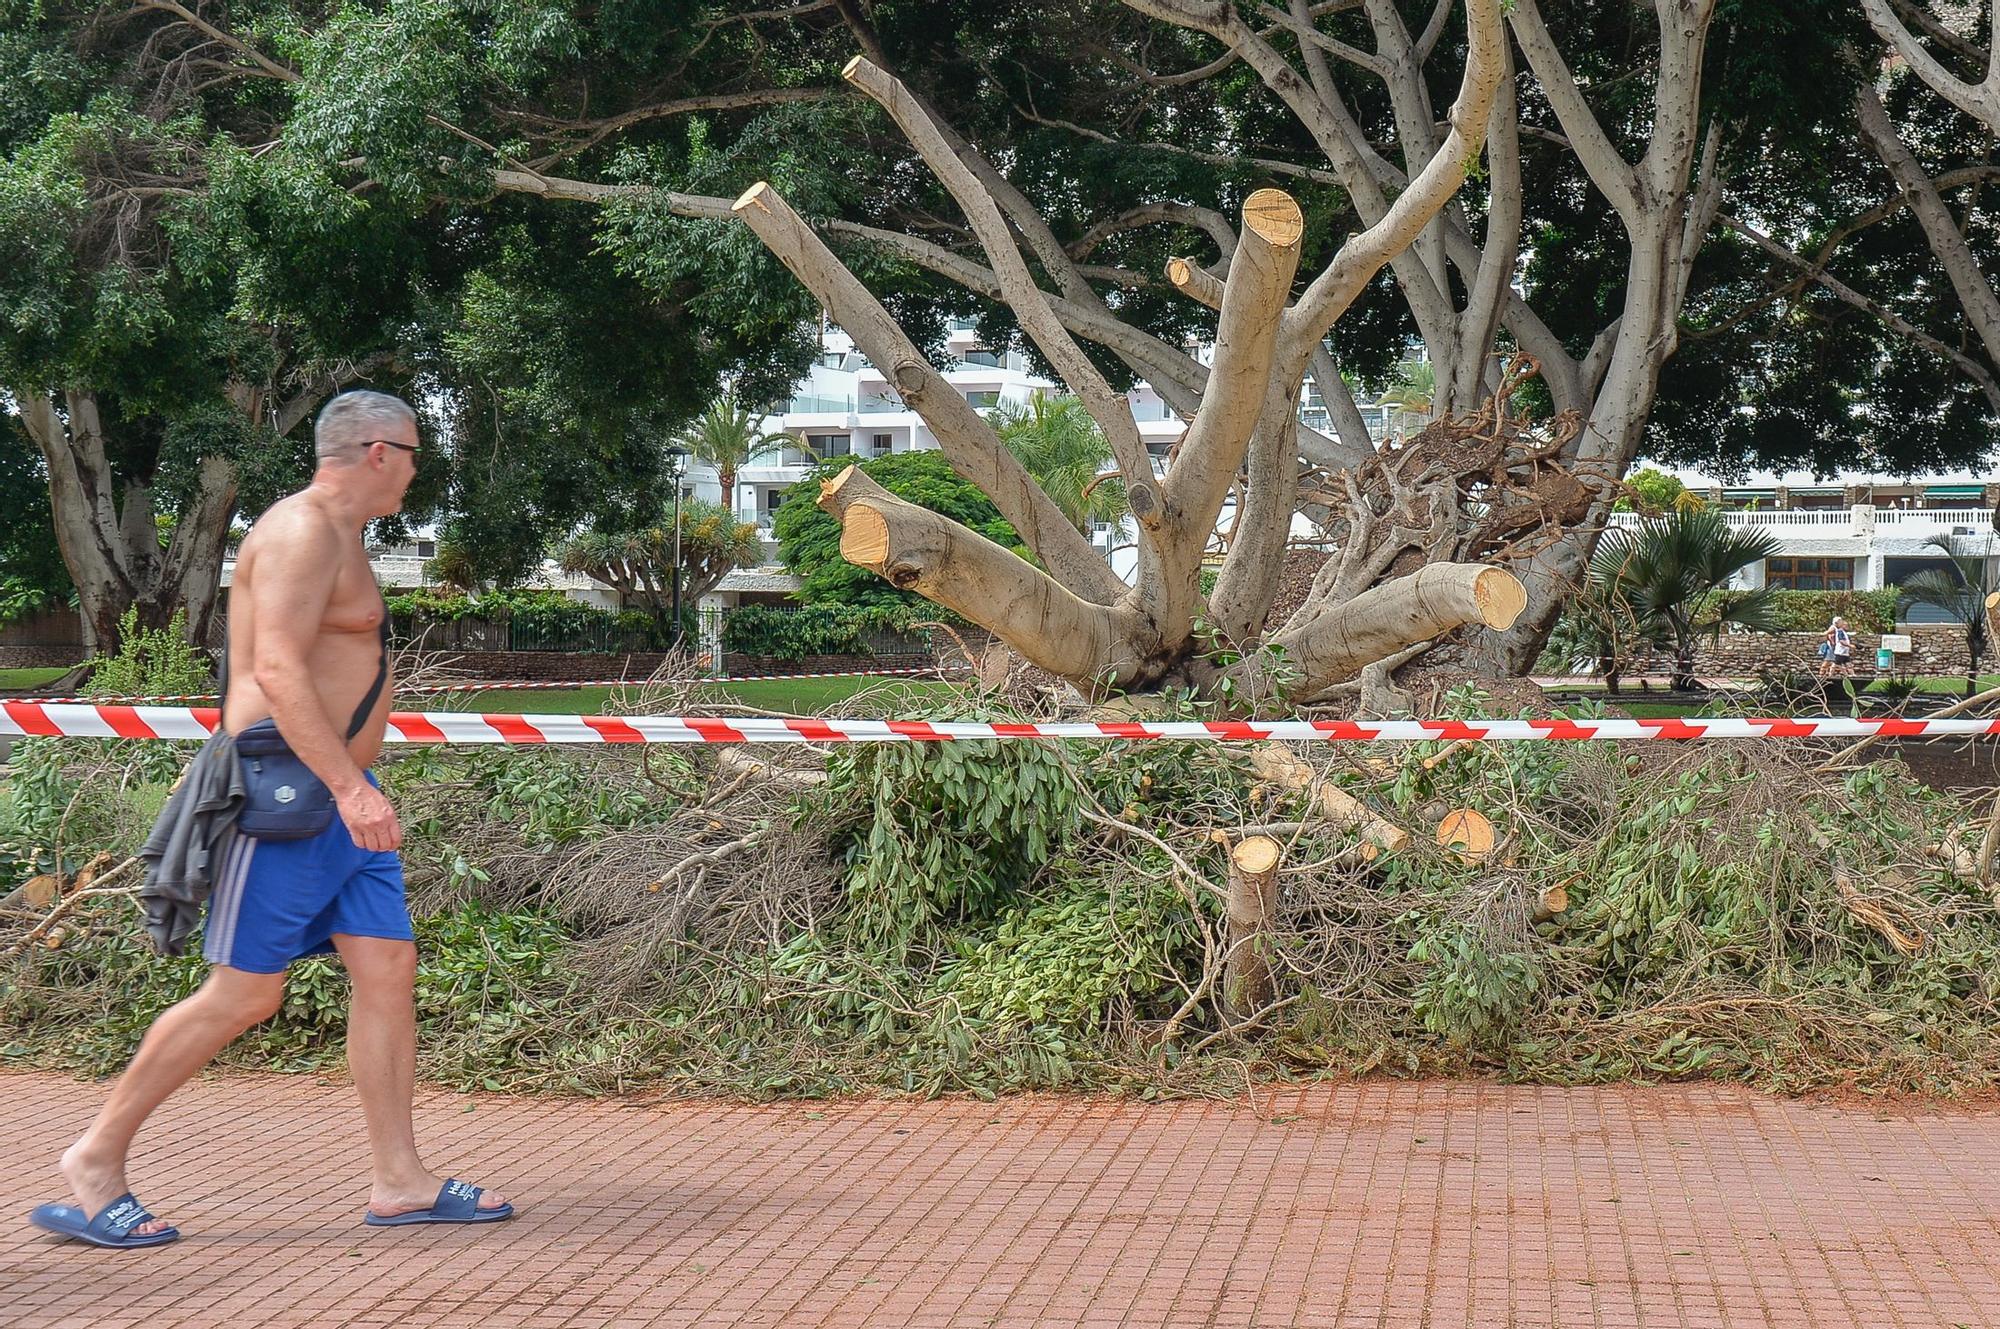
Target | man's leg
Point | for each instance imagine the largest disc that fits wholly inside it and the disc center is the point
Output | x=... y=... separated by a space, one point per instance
x=185 y=1038
x=382 y=1057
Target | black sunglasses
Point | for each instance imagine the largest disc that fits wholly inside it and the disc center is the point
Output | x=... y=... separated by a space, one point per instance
x=410 y=448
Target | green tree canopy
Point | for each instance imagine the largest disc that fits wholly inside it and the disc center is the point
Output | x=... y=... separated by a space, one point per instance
x=208 y=223
x=809 y=539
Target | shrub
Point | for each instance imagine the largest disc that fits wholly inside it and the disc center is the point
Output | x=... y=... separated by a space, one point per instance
x=151 y=662
x=1811 y=611
x=821 y=629
x=809 y=539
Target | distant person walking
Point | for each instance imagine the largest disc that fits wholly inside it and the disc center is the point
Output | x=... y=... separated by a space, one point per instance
x=1836 y=650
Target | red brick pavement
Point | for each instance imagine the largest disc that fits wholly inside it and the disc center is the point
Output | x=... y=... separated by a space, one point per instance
x=1381 y=1203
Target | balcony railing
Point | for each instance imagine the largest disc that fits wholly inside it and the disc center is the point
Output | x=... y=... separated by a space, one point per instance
x=1847 y=521
x=811 y=404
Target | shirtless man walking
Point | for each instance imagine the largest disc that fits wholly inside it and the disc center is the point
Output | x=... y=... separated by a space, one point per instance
x=307 y=638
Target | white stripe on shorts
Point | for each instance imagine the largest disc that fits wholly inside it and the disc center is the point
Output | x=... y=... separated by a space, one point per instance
x=227 y=902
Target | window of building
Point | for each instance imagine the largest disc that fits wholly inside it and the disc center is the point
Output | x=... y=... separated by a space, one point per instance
x=427 y=549
x=772 y=498
x=983 y=357
x=828 y=445
x=883 y=444
x=1809 y=574
x=983 y=400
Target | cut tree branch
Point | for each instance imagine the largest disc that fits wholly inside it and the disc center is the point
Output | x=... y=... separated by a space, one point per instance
x=968 y=443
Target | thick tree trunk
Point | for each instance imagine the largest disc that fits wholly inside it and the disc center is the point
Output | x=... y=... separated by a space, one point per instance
x=109 y=533
x=108 y=528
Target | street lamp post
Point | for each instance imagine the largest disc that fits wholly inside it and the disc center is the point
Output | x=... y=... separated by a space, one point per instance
x=676 y=459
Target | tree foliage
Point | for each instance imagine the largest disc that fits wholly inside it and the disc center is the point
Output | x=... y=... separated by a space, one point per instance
x=640 y=561
x=1064 y=450
x=809 y=539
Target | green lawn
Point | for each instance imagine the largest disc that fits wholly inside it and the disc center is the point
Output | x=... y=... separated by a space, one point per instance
x=802 y=696
x=16 y=680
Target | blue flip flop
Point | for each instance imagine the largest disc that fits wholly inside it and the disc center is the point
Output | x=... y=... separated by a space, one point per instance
x=457 y=1202
x=112 y=1228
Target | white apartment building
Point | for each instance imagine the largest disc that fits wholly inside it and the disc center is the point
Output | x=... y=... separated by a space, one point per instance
x=1852 y=532
x=845 y=406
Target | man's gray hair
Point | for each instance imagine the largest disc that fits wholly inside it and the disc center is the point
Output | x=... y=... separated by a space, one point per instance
x=354 y=418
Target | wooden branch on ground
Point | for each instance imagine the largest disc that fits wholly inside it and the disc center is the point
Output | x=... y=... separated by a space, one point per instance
x=99 y=887
x=1840 y=759
x=1278 y=764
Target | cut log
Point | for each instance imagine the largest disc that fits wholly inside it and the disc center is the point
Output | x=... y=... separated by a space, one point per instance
x=41 y=891
x=1247 y=982
x=1281 y=766
x=734 y=763
x=1194 y=283
x=1466 y=833
x=1552 y=900
x=915 y=549
x=1384 y=619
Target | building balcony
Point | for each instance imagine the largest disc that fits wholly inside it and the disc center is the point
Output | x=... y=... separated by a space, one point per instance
x=1905 y=523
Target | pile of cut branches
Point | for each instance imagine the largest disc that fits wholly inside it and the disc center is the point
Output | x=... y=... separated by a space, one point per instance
x=1146 y=917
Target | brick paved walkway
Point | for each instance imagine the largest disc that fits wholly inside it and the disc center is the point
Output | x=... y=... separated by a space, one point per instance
x=1374 y=1204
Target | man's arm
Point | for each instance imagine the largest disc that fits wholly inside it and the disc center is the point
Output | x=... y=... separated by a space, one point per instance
x=295 y=573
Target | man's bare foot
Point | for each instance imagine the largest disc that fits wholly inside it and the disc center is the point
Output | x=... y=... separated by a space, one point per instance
x=418 y=1193
x=96 y=1183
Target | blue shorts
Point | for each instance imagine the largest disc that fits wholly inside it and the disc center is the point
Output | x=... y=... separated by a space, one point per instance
x=276 y=901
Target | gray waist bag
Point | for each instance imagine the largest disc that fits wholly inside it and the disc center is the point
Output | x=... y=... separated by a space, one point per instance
x=283 y=799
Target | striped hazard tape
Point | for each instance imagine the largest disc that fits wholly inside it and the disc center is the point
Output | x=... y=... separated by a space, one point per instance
x=34 y=719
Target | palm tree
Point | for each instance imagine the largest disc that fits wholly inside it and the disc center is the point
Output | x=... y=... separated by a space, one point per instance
x=1414 y=393
x=1064 y=450
x=726 y=437
x=1667 y=572
x=1961 y=592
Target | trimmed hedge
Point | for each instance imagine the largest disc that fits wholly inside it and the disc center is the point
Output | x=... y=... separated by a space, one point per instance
x=1811 y=611
x=821 y=629
x=535 y=619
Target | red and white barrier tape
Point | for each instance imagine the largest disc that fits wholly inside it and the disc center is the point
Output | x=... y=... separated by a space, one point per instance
x=546 y=685
x=99 y=721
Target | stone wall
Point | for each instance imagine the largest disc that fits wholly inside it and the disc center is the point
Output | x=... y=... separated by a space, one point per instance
x=1937 y=648
x=60 y=656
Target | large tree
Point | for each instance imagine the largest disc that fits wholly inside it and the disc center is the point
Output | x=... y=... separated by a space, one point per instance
x=192 y=265
x=1634 y=153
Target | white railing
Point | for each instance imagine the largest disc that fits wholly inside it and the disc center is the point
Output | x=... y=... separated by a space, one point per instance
x=1834 y=517
x=1846 y=521
x=1977 y=518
